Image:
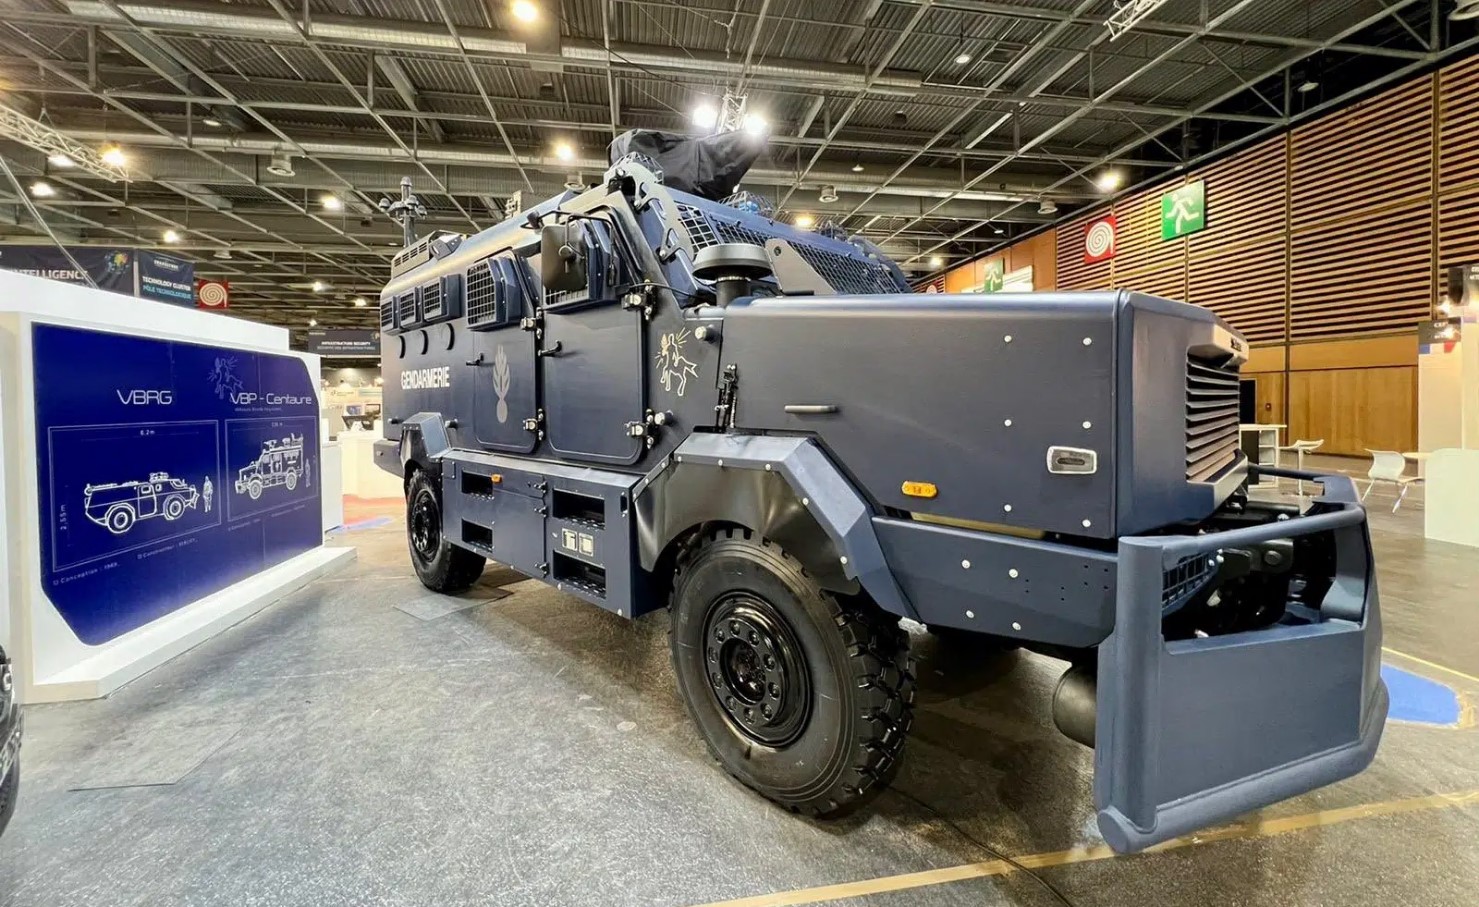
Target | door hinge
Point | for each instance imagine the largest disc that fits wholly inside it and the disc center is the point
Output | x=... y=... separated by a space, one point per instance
x=532 y=322
x=535 y=424
x=639 y=299
x=724 y=411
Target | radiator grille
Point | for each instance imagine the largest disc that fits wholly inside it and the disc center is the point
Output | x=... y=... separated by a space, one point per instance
x=1189 y=575
x=431 y=300
x=1211 y=418
x=482 y=293
x=387 y=313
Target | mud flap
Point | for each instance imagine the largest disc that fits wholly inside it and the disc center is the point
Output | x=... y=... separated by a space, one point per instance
x=1198 y=731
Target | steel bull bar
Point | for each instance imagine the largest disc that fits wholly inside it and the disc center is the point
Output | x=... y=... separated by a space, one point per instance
x=1191 y=732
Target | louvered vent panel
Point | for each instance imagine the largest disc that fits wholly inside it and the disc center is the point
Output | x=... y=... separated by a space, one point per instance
x=1458 y=226
x=1140 y=245
x=1246 y=286
x=1073 y=273
x=1211 y=417
x=1375 y=154
x=1246 y=198
x=1458 y=139
x=1363 y=276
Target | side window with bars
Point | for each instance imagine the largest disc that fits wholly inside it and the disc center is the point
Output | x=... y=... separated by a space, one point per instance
x=497 y=288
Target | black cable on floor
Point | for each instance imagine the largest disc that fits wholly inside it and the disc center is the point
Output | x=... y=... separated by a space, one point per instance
x=1046 y=885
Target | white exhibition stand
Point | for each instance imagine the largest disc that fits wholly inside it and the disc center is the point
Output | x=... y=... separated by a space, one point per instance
x=362 y=478
x=1451 y=506
x=52 y=662
x=331 y=460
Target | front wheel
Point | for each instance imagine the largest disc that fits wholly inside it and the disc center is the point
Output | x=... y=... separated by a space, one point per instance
x=802 y=696
x=174 y=508
x=120 y=519
x=254 y=489
x=10 y=787
x=441 y=565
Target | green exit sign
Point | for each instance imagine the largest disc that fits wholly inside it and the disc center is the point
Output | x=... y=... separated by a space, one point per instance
x=1184 y=211
x=994 y=276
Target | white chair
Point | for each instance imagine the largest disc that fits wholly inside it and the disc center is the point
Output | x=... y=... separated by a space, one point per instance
x=1389 y=466
x=1299 y=449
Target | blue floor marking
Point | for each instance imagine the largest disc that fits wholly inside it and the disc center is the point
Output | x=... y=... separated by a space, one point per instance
x=1416 y=698
x=357 y=525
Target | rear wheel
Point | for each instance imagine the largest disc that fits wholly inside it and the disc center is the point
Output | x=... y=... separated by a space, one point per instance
x=441 y=565
x=120 y=519
x=292 y=480
x=799 y=694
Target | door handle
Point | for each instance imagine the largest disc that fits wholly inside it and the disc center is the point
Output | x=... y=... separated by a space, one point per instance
x=477 y=361
x=552 y=351
x=811 y=409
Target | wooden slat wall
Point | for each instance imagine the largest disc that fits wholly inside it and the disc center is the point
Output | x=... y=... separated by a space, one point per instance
x=1143 y=261
x=1458 y=163
x=1354 y=409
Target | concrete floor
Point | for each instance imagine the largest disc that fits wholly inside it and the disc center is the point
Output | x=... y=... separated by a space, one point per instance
x=361 y=743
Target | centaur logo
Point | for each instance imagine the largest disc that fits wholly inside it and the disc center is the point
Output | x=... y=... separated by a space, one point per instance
x=423 y=378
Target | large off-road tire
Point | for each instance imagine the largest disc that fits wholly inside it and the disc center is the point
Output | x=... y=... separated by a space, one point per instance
x=254 y=489
x=291 y=480
x=174 y=508
x=441 y=565
x=801 y=695
x=120 y=519
x=10 y=787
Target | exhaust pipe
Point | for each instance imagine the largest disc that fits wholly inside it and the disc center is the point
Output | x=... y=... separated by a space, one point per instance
x=1074 y=703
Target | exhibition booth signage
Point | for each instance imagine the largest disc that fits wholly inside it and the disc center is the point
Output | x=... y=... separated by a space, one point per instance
x=132 y=272
x=171 y=474
x=346 y=343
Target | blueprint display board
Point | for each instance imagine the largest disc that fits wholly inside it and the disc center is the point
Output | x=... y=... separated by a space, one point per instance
x=173 y=473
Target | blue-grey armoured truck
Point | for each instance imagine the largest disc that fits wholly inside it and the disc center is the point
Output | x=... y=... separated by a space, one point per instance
x=653 y=398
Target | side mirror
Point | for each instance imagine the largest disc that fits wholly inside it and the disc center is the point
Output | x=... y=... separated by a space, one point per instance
x=562 y=257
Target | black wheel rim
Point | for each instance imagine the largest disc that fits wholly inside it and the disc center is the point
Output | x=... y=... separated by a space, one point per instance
x=756 y=670
x=426 y=526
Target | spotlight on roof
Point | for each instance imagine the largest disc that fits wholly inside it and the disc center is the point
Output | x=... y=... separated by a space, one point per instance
x=706 y=116
x=829 y=194
x=1309 y=85
x=42 y=189
x=524 y=10
x=857 y=168
x=360 y=302
x=280 y=165
x=113 y=156
x=61 y=160
x=313 y=322
x=962 y=58
x=564 y=151
x=937 y=261
x=1109 y=180
x=171 y=236
x=1047 y=206
x=755 y=124
x=332 y=202
x=805 y=221
x=319 y=286
x=212 y=122
x=222 y=255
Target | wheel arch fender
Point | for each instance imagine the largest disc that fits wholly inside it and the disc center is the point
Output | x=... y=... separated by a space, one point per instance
x=783 y=488
x=423 y=441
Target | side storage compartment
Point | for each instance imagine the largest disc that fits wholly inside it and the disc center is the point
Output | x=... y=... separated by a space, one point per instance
x=592 y=547
x=498 y=513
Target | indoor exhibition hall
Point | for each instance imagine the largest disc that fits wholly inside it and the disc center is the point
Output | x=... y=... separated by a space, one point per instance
x=739 y=453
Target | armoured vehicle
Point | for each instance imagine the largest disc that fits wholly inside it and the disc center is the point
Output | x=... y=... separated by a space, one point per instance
x=280 y=463
x=117 y=506
x=649 y=399
x=10 y=742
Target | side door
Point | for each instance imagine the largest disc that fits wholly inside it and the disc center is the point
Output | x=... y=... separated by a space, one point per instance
x=593 y=359
x=149 y=499
x=500 y=293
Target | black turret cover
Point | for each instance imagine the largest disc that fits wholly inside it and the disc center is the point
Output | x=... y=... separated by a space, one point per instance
x=709 y=166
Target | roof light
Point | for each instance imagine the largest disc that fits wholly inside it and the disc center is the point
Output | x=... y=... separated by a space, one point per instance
x=313 y=322
x=524 y=10
x=755 y=124
x=1109 y=180
x=41 y=189
x=962 y=58
x=564 y=151
x=61 y=160
x=113 y=156
x=212 y=122
x=1307 y=86
x=332 y=202
x=937 y=261
x=706 y=116
x=360 y=302
x=805 y=221
x=171 y=236
x=319 y=286
x=857 y=168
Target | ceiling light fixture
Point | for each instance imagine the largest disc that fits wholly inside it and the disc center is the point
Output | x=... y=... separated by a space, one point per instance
x=706 y=115
x=805 y=221
x=313 y=322
x=564 y=151
x=1109 y=180
x=857 y=168
x=755 y=124
x=1047 y=206
x=937 y=261
x=41 y=189
x=61 y=160
x=212 y=122
x=113 y=156
x=319 y=286
x=1307 y=86
x=524 y=10
x=332 y=202
x=829 y=195
x=962 y=58
x=360 y=302
x=171 y=236
x=999 y=231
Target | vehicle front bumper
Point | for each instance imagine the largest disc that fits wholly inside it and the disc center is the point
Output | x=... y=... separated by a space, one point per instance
x=1191 y=732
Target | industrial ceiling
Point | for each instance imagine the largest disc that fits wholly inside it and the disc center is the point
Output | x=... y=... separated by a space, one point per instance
x=262 y=136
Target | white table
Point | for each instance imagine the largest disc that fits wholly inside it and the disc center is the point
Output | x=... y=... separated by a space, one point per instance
x=1260 y=441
